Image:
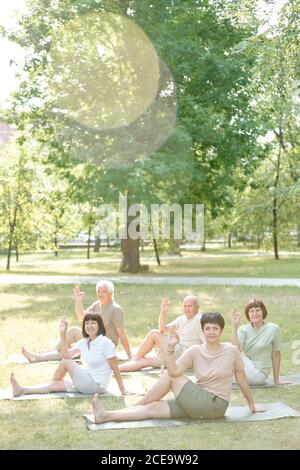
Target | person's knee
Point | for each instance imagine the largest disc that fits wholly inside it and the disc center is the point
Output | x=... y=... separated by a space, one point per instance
x=74 y=334
x=152 y=409
x=66 y=362
x=54 y=384
x=154 y=333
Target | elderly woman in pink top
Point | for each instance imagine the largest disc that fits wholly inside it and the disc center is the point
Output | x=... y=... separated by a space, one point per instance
x=214 y=364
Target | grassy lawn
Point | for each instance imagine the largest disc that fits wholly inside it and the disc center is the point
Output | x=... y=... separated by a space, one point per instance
x=29 y=315
x=214 y=263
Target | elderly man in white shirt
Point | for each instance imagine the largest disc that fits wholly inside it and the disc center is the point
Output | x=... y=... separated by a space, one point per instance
x=187 y=326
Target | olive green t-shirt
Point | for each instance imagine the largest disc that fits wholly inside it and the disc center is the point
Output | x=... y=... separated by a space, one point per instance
x=258 y=344
x=113 y=317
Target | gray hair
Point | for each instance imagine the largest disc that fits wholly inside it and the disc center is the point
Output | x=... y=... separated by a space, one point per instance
x=108 y=284
x=193 y=298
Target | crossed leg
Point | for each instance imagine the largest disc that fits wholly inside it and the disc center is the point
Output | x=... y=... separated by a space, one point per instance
x=153 y=338
x=151 y=406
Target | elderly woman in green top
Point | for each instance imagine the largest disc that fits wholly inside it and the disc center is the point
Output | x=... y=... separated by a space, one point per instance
x=259 y=342
x=214 y=364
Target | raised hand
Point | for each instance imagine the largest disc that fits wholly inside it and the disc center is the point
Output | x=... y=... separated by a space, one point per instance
x=165 y=305
x=78 y=295
x=63 y=326
x=173 y=337
x=235 y=317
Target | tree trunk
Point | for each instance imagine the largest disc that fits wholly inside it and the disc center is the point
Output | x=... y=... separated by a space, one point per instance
x=89 y=243
x=17 y=253
x=229 y=240
x=130 y=256
x=298 y=236
x=12 y=226
x=275 y=205
x=131 y=253
x=9 y=252
x=97 y=244
x=56 y=245
x=275 y=227
x=203 y=247
x=156 y=252
x=258 y=240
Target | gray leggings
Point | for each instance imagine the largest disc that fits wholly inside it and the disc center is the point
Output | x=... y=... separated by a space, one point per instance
x=193 y=401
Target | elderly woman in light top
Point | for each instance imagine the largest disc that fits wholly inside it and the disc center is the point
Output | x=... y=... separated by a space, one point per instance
x=98 y=356
x=259 y=342
x=214 y=364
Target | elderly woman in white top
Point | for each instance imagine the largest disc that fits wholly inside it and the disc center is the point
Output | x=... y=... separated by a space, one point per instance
x=259 y=342
x=98 y=356
x=214 y=364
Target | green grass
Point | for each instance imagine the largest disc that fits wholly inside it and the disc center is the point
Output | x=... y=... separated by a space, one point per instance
x=214 y=263
x=29 y=315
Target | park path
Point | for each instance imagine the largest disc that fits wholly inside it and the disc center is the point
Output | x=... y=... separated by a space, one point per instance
x=158 y=280
x=144 y=258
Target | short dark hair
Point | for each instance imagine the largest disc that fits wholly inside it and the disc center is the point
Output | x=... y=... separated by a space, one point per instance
x=212 y=317
x=94 y=317
x=256 y=303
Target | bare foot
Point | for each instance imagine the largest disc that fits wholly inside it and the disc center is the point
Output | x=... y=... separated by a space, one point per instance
x=16 y=388
x=100 y=414
x=29 y=355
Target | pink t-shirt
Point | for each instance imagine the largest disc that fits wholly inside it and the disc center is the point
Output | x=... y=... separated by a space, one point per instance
x=213 y=370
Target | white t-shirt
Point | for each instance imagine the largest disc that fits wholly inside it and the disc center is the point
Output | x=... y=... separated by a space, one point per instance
x=94 y=359
x=189 y=330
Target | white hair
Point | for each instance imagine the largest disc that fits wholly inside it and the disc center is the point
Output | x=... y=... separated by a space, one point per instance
x=108 y=284
x=193 y=298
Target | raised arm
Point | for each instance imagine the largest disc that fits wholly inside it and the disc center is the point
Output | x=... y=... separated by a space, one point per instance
x=162 y=319
x=78 y=297
x=174 y=370
x=242 y=380
x=235 y=320
x=65 y=352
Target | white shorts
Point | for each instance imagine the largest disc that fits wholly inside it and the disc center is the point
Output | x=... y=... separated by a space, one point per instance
x=83 y=382
x=254 y=376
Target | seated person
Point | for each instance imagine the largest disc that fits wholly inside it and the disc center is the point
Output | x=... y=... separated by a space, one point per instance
x=188 y=327
x=214 y=364
x=98 y=356
x=259 y=342
x=112 y=315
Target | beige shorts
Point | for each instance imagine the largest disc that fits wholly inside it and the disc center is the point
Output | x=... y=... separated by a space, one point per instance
x=83 y=382
x=193 y=401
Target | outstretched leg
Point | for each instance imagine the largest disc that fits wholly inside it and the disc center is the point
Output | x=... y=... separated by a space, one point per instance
x=51 y=355
x=74 y=334
x=158 y=410
x=54 y=386
x=138 y=364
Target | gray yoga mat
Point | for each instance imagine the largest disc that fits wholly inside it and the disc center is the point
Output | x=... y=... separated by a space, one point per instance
x=269 y=383
x=233 y=414
x=18 y=358
x=134 y=387
x=7 y=395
